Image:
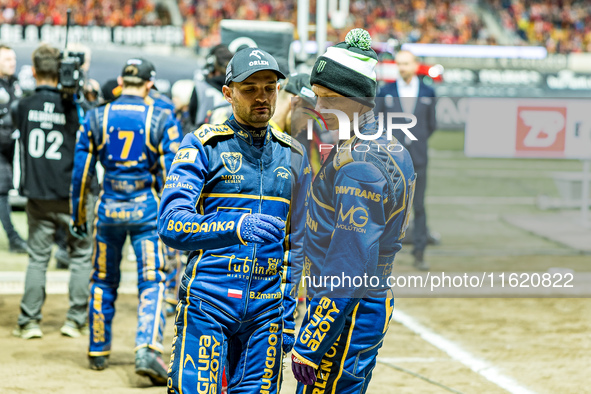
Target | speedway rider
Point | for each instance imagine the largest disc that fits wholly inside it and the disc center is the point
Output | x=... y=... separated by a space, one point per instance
x=135 y=142
x=357 y=212
x=229 y=198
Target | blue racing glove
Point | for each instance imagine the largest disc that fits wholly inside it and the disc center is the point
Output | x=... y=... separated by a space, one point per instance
x=302 y=372
x=79 y=232
x=261 y=229
x=288 y=342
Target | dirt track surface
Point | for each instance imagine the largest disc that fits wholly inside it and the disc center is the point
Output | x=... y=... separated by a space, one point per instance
x=544 y=344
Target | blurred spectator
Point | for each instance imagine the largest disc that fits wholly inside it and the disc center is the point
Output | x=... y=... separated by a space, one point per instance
x=110 y=90
x=9 y=92
x=92 y=92
x=207 y=94
x=181 y=96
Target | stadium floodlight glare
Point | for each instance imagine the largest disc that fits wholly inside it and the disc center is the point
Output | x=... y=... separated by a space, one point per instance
x=477 y=51
x=436 y=71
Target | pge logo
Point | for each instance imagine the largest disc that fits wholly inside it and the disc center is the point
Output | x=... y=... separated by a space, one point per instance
x=541 y=129
x=282 y=172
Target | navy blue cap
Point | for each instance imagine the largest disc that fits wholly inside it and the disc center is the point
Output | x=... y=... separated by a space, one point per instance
x=299 y=84
x=137 y=70
x=248 y=61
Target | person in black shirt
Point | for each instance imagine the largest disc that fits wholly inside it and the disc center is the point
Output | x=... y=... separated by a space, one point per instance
x=9 y=91
x=48 y=123
x=207 y=94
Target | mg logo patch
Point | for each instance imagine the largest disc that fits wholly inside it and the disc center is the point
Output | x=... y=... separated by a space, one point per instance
x=232 y=161
x=321 y=65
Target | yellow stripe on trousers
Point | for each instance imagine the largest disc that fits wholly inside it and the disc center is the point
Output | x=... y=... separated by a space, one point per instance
x=102 y=260
x=157 y=316
x=334 y=385
x=181 y=366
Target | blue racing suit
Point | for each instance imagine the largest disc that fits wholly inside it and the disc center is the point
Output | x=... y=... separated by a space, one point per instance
x=134 y=141
x=160 y=100
x=231 y=309
x=357 y=212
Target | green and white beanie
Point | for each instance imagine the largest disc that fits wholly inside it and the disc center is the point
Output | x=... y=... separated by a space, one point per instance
x=348 y=68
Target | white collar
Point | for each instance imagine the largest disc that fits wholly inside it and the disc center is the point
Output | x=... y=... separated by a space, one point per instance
x=413 y=82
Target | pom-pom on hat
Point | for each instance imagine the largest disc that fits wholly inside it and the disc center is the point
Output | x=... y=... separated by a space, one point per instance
x=348 y=68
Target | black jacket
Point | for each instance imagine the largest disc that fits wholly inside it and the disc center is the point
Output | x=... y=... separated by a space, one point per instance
x=425 y=113
x=9 y=91
x=48 y=125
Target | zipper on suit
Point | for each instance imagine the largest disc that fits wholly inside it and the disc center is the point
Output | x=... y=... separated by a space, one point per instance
x=254 y=252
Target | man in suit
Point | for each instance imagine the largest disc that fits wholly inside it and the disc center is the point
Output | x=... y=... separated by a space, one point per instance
x=410 y=95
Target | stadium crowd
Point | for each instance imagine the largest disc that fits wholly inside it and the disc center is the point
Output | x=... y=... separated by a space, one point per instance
x=560 y=26
x=439 y=21
x=92 y=12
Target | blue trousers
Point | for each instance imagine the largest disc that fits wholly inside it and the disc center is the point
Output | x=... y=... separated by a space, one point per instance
x=206 y=340
x=347 y=367
x=106 y=275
